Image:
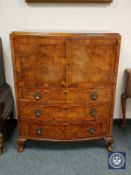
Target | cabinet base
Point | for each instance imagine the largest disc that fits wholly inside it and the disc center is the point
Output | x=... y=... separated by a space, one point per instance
x=21 y=143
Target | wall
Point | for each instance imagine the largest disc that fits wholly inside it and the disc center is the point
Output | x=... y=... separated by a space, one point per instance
x=113 y=17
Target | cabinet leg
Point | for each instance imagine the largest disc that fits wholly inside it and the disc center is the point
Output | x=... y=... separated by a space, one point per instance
x=109 y=141
x=1 y=143
x=123 y=105
x=21 y=144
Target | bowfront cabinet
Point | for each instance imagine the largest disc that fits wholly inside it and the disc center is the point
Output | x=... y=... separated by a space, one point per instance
x=65 y=85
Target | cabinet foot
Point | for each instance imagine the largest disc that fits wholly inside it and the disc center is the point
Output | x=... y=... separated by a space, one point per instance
x=21 y=144
x=1 y=143
x=109 y=142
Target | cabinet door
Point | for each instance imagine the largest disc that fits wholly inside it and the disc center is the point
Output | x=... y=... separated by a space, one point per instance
x=40 y=62
x=91 y=62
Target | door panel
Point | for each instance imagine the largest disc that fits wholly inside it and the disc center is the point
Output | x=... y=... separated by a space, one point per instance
x=25 y=67
x=91 y=62
x=51 y=56
x=49 y=69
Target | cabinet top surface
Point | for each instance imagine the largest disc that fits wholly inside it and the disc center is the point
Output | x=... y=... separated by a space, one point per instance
x=66 y=34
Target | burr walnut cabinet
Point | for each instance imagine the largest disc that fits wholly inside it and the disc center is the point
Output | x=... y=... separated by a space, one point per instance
x=65 y=85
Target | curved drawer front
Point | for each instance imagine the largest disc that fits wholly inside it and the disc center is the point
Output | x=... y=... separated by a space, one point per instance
x=38 y=96
x=70 y=97
x=65 y=132
x=99 y=112
x=90 y=96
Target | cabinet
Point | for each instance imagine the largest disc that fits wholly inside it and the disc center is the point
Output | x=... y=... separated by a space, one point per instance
x=65 y=85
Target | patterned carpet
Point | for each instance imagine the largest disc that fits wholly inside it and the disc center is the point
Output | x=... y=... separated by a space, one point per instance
x=76 y=158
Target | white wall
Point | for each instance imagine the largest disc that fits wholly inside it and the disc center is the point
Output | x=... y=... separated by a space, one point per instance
x=114 y=17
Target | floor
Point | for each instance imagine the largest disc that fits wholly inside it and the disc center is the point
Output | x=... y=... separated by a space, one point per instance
x=76 y=158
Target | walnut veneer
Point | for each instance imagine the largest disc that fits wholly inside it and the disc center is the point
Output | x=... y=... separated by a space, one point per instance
x=65 y=85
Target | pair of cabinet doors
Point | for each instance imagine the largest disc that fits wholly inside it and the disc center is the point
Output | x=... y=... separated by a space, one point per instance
x=52 y=63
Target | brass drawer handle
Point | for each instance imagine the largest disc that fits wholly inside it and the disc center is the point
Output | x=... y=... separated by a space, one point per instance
x=37 y=96
x=93 y=96
x=39 y=131
x=38 y=113
x=93 y=112
x=92 y=130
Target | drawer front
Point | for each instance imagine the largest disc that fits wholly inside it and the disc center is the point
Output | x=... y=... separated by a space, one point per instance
x=37 y=96
x=38 y=130
x=70 y=97
x=91 y=96
x=36 y=112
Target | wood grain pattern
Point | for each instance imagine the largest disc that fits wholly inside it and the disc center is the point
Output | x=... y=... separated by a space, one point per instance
x=62 y=132
x=65 y=85
x=96 y=53
x=54 y=97
x=65 y=112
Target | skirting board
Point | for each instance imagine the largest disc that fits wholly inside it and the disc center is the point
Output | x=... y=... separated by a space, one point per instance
x=119 y=121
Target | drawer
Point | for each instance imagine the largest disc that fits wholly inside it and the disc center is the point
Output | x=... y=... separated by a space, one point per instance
x=36 y=112
x=38 y=96
x=63 y=132
x=70 y=97
x=91 y=96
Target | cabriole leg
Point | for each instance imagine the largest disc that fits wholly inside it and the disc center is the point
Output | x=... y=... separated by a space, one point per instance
x=21 y=144
x=109 y=141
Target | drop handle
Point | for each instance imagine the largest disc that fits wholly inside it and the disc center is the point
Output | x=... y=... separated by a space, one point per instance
x=37 y=96
x=39 y=131
x=92 y=130
x=93 y=112
x=93 y=96
x=38 y=113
